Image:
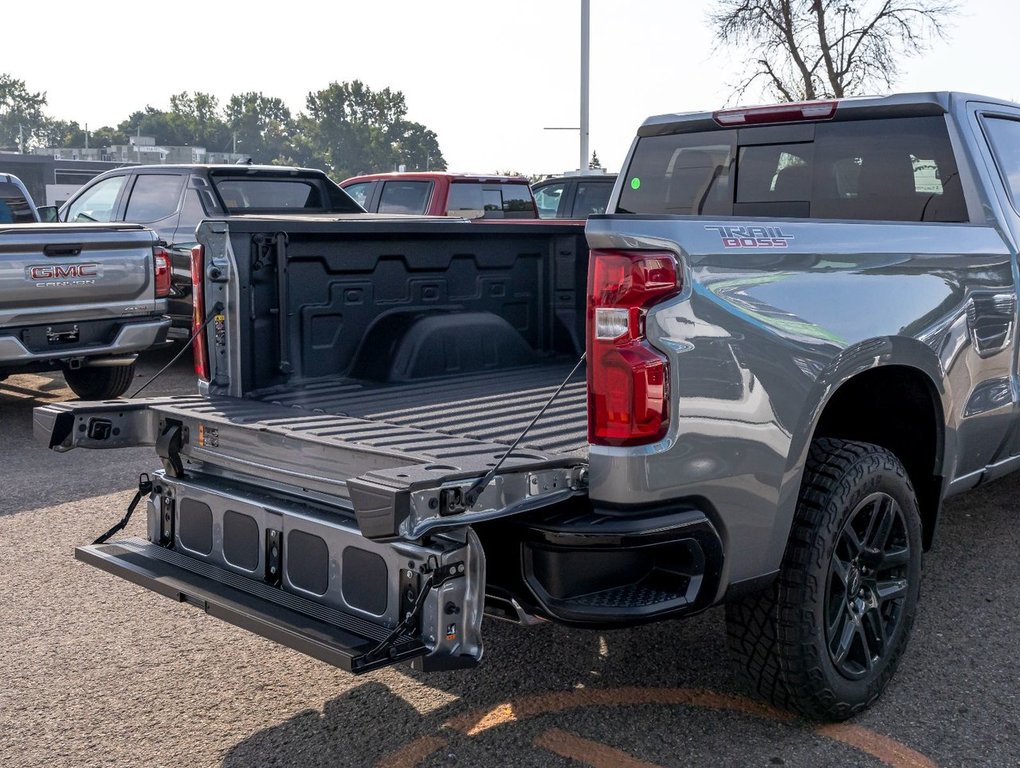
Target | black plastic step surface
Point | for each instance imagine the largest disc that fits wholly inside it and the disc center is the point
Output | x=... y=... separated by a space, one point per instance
x=631 y=596
x=319 y=631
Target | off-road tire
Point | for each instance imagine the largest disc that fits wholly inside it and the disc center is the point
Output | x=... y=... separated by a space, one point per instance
x=778 y=636
x=100 y=382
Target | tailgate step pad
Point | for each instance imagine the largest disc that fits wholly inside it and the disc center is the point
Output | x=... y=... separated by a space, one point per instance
x=319 y=631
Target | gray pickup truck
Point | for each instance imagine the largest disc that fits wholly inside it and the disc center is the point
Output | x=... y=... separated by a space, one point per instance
x=799 y=325
x=82 y=299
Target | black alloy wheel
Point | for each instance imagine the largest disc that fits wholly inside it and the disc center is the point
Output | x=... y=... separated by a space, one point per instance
x=825 y=639
x=867 y=586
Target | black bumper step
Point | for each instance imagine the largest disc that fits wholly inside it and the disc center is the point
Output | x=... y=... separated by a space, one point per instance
x=321 y=632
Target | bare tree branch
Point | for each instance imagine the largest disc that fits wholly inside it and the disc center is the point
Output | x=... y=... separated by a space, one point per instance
x=809 y=49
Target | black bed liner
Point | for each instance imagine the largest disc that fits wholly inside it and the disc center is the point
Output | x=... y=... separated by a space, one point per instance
x=493 y=407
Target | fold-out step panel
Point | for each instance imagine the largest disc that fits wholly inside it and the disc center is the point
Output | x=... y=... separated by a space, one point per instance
x=311 y=628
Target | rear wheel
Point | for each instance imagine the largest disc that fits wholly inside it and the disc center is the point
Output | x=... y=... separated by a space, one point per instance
x=100 y=382
x=826 y=638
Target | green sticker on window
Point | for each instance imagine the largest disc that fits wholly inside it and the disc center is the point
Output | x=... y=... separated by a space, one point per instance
x=635 y=183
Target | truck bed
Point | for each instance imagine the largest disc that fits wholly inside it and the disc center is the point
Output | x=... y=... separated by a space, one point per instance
x=492 y=407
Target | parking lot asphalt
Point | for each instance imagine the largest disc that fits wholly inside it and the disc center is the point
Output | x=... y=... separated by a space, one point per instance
x=96 y=671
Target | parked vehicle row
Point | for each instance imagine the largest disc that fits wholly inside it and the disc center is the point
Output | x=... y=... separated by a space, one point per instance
x=799 y=337
x=171 y=200
x=444 y=194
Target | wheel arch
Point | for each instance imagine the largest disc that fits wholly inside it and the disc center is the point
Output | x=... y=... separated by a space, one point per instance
x=900 y=408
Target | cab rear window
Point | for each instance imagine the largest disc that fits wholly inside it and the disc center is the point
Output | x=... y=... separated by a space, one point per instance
x=269 y=195
x=491 y=200
x=899 y=169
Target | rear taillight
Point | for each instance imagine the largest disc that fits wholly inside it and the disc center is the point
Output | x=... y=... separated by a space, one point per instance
x=199 y=347
x=628 y=379
x=161 y=271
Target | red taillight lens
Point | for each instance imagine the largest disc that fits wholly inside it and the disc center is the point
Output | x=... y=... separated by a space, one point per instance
x=161 y=271
x=199 y=347
x=628 y=379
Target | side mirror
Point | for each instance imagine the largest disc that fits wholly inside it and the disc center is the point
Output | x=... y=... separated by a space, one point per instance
x=47 y=212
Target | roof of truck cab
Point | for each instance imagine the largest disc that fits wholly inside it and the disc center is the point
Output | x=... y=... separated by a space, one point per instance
x=898 y=105
x=434 y=175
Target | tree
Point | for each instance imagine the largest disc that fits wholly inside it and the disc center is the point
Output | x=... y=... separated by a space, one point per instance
x=61 y=133
x=812 y=49
x=192 y=120
x=21 y=113
x=417 y=147
x=350 y=129
x=261 y=126
x=595 y=162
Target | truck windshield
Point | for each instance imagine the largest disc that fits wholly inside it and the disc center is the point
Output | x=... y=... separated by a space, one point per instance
x=899 y=169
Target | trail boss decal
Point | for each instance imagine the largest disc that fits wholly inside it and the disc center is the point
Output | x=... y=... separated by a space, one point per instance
x=752 y=237
x=64 y=274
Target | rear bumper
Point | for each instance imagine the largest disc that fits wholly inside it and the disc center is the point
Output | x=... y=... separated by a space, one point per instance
x=129 y=338
x=602 y=570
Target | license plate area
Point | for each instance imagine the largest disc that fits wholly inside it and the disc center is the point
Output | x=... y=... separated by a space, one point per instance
x=62 y=334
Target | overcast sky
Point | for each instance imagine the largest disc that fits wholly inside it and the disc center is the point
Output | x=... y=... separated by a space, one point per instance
x=487 y=77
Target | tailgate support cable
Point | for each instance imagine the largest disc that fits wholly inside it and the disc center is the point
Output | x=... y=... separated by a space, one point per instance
x=144 y=489
x=217 y=308
x=435 y=577
x=472 y=493
x=387 y=646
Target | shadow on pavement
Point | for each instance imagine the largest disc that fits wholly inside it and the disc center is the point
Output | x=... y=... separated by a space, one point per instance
x=32 y=476
x=931 y=706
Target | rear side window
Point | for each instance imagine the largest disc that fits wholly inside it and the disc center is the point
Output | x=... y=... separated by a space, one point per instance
x=405 y=196
x=899 y=169
x=269 y=195
x=191 y=214
x=154 y=197
x=359 y=192
x=518 y=202
x=1004 y=136
x=14 y=208
x=548 y=198
x=591 y=198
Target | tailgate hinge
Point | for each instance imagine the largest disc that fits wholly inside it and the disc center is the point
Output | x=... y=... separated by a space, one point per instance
x=168 y=448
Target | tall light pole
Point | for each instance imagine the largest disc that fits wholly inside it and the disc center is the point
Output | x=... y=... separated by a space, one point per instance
x=585 y=55
x=584 y=165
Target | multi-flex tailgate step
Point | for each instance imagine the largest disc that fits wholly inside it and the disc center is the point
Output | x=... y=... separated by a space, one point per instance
x=324 y=633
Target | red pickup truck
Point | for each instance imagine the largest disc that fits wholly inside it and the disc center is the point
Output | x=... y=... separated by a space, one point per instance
x=444 y=194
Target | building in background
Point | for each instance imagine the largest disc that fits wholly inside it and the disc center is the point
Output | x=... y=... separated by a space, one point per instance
x=51 y=180
x=143 y=150
x=53 y=174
